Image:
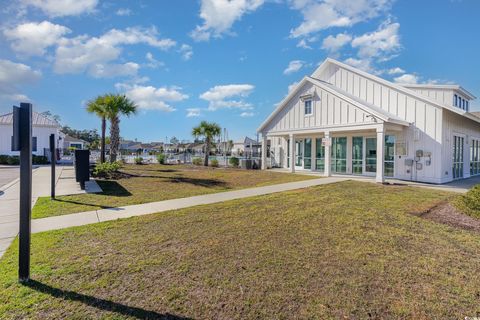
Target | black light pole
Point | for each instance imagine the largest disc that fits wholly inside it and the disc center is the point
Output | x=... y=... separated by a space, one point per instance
x=22 y=141
x=52 y=163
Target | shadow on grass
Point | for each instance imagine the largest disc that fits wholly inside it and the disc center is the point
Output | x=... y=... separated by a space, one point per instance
x=83 y=203
x=101 y=304
x=208 y=183
x=113 y=188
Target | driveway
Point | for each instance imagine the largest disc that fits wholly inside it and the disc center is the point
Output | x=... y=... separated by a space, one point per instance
x=8 y=174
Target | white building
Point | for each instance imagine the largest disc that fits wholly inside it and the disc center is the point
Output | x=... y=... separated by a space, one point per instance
x=341 y=120
x=71 y=142
x=42 y=128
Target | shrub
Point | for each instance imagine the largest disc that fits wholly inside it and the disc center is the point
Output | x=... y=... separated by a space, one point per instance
x=13 y=160
x=234 y=161
x=469 y=203
x=214 y=163
x=161 y=158
x=106 y=169
x=197 y=161
x=138 y=160
x=4 y=159
x=39 y=159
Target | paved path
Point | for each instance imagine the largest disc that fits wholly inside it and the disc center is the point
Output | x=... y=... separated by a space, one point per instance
x=8 y=174
x=9 y=197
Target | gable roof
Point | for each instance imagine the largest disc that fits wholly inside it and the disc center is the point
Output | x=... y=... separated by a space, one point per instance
x=395 y=86
x=38 y=120
x=363 y=105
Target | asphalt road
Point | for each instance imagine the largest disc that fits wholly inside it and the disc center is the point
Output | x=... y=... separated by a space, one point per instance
x=8 y=174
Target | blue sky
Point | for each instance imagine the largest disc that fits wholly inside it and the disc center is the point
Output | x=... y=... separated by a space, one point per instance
x=218 y=60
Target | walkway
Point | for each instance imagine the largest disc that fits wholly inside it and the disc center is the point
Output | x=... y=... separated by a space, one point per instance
x=9 y=197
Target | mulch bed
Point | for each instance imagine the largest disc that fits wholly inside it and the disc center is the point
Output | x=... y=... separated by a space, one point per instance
x=447 y=214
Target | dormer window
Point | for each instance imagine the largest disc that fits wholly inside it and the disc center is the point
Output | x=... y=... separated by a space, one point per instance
x=307 y=104
x=466 y=107
x=455 y=100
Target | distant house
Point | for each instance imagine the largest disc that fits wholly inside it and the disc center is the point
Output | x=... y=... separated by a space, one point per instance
x=247 y=146
x=42 y=128
x=71 y=142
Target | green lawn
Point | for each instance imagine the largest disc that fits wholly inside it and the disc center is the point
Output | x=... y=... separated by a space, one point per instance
x=345 y=250
x=149 y=183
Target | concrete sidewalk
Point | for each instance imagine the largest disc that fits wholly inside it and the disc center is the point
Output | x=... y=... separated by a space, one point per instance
x=89 y=217
x=9 y=197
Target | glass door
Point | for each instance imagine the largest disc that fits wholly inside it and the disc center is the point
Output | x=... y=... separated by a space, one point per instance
x=389 y=156
x=370 y=155
x=339 y=155
x=319 y=155
x=307 y=158
x=457 y=169
x=299 y=153
x=357 y=155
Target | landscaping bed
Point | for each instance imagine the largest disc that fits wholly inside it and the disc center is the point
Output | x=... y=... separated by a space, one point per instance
x=348 y=250
x=149 y=183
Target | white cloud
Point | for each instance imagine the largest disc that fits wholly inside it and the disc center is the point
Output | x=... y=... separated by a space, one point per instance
x=407 y=79
x=151 y=98
x=13 y=78
x=303 y=44
x=219 y=16
x=152 y=62
x=395 y=70
x=85 y=54
x=113 y=70
x=384 y=41
x=323 y=14
x=362 y=64
x=55 y=8
x=294 y=66
x=247 y=114
x=193 y=112
x=334 y=43
x=228 y=96
x=33 y=38
x=186 y=51
x=123 y=12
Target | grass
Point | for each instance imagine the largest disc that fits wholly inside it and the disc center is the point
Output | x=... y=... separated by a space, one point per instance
x=149 y=183
x=344 y=250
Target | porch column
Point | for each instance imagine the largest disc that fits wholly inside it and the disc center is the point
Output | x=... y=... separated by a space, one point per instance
x=380 y=154
x=264 y=152
x=313 y=155
x=292 y=153
x=327 y=154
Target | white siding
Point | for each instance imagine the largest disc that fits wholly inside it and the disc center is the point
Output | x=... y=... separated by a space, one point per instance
x=42 y=134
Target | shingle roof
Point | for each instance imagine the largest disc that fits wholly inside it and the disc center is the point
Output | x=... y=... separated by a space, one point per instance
x=38 y=120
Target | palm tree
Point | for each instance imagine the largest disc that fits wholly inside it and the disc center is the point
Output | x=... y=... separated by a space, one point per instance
x=207 y=130
x=98 y=107
x=117 y=105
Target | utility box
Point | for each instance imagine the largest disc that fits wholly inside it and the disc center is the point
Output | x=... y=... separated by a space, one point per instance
x=246 y=163
x=82 y=167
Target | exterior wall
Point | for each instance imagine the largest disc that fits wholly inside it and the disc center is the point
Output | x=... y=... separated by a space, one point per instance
x=457 y=125
x=42 y=134
x=444 y=96
x=328 y=110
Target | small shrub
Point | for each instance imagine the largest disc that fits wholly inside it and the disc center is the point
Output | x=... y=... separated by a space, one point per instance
x=234 y=161
x=161 y=158
x=214 y=163
x=39 y=159
x=138 y=160
x=469 y=203
x=4 y=159
x=197 y=161
x=106 y=169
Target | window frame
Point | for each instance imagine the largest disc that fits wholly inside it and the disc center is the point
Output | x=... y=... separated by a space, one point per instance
x=309 y=101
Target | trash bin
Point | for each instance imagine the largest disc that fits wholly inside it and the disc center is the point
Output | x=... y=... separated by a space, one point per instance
x=82 y=167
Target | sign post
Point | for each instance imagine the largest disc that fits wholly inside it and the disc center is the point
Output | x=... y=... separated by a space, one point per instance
x=22 y=141
x=53 y=159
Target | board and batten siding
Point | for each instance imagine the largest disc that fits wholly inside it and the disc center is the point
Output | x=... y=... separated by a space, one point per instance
x=328 y=110
x=443 y=96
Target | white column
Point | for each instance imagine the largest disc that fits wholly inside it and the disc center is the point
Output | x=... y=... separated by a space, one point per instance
x=466 y=157
x=313 y=156
x=327 y=154
x=380 y=154
x=264 y=152
x=292 y=153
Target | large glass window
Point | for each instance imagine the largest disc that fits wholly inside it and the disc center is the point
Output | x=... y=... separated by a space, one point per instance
x=319 y=155
x=308 y=107
x=457 y=169
x=389 y=156
x=357 y=155
x=339 y=155
x=371 y=155
x=299 y=153
x=307 y=158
